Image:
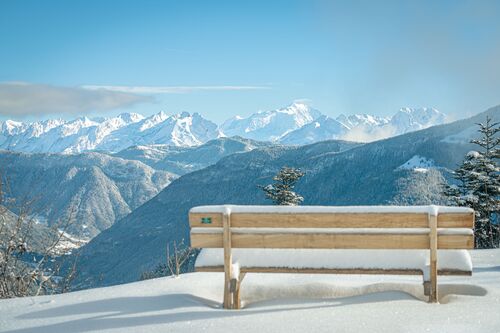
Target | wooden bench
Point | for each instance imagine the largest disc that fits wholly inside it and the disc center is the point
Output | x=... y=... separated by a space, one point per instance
x=338 y=240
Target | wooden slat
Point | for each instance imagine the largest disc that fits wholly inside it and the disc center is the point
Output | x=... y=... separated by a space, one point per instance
x=452 y=272
x=326 y=220
x=453 y=220
x=332 y=241
x=314 y=270
x=332 y=271
x=456 y=242
x=195 y=220
x=206 y=241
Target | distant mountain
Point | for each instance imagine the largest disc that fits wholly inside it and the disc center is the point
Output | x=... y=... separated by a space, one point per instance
x=106 y=134
x=181 y=160
x=364 y=120
x=336 y=173
x=364 y=127
x=178 y=130
x=270 y=125
x=409 y=119
x=97 y=189
x=321 y=129
x=92 y=189
x=295 y=124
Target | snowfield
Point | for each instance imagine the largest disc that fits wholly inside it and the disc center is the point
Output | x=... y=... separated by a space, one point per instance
x=271 y=303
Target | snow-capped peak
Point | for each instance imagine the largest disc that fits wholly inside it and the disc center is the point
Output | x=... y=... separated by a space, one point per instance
x=107 y=134
x=412 y=119
x=12 y=127
x=271 y=125
x=297 y=123
x=322 y=128
x=130 y=118
x=364 y=119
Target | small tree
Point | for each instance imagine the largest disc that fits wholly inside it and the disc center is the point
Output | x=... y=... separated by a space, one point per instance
x=30 y=255
x=281 y=192
x=180 y=259
x=478 y=185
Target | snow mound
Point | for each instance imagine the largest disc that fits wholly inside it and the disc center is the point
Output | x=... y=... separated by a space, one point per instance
x=418 y=164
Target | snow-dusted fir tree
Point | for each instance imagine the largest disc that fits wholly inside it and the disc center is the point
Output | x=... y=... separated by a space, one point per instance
x=281 y=192
x=479 y=185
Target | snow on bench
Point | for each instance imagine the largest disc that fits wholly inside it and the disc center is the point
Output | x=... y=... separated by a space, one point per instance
x=450 y=260
x=339 y=240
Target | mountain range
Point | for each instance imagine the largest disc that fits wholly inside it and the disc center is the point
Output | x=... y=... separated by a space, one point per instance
x=90 y=191
x=182 y=160
x=106 y=134
x=295 y=124
x=94 y=189
x=336 y=173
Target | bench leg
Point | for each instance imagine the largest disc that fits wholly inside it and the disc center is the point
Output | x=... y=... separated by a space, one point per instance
x=430 y=285
x=236 y=292
x=433 y=237
x=228 y=300
x=433 y=287
x=427 y=288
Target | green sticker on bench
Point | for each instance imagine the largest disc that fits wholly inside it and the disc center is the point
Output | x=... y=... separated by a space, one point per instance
x=206 y=220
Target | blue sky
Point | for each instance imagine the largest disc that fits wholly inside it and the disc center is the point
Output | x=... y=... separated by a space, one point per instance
x=223 y=58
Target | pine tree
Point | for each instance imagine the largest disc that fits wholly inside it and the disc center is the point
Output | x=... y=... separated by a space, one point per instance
x=281 y=192
x=479 y=185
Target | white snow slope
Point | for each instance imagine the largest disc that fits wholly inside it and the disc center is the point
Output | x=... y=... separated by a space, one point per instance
x=271 y=303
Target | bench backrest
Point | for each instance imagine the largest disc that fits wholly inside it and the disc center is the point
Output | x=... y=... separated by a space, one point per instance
x=357 y=227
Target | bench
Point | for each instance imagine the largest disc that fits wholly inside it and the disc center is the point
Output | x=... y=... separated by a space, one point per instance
x=334 y=240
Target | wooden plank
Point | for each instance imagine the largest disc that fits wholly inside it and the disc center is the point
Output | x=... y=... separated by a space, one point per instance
x=333 y=271
x=227 y=261
x=314 y=270
x=453 y=220
x=206 y=241
x=332 y=241
x=456 y=242
x=195 y=220
x=454 y=272
x=328 y=220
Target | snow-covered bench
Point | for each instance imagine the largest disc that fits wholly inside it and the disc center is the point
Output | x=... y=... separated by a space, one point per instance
x=336 y=240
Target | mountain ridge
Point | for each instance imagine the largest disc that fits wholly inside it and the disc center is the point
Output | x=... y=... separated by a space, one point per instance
x=296 y=124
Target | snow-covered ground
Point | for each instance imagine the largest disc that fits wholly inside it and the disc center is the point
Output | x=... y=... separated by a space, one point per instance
x=272 y=303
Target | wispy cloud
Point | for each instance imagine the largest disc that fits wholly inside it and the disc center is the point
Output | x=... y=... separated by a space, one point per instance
x=363 y=134
x=171 y=89
x=23 y=99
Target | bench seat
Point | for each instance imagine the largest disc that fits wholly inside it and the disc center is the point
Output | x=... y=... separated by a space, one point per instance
x=414 y=261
